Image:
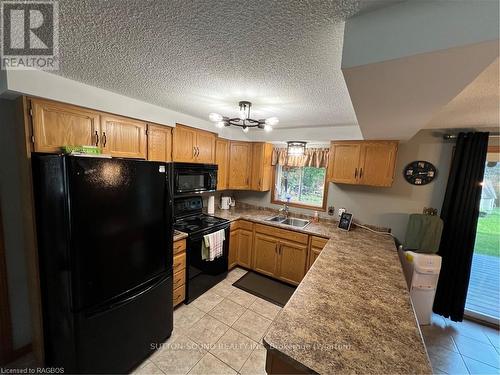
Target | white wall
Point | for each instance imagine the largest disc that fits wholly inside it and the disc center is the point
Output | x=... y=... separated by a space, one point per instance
x=387 y=207
x=10 y=199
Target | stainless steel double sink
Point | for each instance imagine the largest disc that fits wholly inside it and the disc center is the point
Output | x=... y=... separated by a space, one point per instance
x=293 y=222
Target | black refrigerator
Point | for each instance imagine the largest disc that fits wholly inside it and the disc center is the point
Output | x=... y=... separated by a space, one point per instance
x=105 y=239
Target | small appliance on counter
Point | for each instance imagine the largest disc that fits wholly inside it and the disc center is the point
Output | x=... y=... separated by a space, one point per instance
x=226 y=203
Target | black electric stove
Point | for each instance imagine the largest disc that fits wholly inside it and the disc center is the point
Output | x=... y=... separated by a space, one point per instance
x=198 y=222
x=201 y=274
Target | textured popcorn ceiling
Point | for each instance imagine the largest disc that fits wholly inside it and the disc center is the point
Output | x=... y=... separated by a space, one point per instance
x=204 y=56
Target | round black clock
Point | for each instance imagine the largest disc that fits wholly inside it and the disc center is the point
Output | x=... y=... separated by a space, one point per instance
x=419 y=172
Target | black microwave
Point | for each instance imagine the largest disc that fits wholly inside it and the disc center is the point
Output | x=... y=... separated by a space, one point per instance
x=190 y=178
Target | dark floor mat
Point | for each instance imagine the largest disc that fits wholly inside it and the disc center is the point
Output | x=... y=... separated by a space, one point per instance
x=266 y=288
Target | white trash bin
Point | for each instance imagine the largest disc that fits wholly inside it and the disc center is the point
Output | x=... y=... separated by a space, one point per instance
x=422 y=274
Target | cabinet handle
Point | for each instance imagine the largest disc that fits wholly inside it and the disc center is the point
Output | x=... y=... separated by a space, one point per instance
x=247 y=181
x=104 y=139
x=194 y=152
x=96 y=138
x=260 y=182
x=355 y=172
x=276 y=248
x=197 y=151
x=361 y=173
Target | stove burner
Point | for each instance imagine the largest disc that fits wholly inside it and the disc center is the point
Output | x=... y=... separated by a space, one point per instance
x=197 y=222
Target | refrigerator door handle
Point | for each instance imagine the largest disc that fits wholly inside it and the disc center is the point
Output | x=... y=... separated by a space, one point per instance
x=124 y=300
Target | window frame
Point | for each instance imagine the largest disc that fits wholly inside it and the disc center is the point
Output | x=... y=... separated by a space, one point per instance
x=321 y=208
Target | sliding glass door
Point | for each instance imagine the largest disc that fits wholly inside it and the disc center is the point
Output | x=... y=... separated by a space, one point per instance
x=483 y=297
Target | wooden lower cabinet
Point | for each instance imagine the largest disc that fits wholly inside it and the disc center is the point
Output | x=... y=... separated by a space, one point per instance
x=316 y=245
x=265 y=254
x=275 y=252
x=292 y=261
x=245 y=241
x=233 y=248
x=179 y=265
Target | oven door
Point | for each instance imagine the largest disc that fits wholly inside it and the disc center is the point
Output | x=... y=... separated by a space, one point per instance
x=202 y=274
x=189 y=181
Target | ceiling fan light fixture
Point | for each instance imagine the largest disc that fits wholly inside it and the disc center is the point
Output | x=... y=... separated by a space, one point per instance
x=244 y=120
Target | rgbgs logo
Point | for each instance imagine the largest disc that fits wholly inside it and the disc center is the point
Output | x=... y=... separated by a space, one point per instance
x=30 y=35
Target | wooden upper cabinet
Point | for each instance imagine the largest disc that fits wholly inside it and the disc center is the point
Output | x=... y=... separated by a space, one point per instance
x=159 y=143
x=205 y=143
x=377 y=163
x=369 y=163
x=183 y=144
x=345 y=159
x=191 y=145
x=261 y=166
x=123 y=137
x=222 y=160
x=240 y=162
x=56 y=124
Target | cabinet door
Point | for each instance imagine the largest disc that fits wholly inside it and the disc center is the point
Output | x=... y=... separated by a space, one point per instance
x=265 y=254
x=56 y=125
x=292 y=261
x=240 y=159
x=205 y=143
x=377 y=162
x=123 y=137
x=345 y=160
x=222 y=160
x=245 y=242
x=183 y=144
x=159 y=143
x=313 y=254
x=261 y=166
x=233 y=248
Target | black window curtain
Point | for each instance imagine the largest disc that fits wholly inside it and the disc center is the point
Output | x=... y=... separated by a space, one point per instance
x=460 y=213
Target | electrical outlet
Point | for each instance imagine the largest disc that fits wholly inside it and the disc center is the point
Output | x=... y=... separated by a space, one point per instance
x=341 y=211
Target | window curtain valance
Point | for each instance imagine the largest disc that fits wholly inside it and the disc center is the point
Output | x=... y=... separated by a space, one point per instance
x=313 y=157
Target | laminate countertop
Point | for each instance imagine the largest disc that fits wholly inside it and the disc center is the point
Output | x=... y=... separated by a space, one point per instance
x=352 y=312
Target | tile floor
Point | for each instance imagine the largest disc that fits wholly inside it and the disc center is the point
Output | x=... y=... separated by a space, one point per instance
x=218 y=333
x=221 y=333
x=462 y=348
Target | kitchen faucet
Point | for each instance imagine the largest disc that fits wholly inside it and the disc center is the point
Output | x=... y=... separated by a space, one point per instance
x=284 y=210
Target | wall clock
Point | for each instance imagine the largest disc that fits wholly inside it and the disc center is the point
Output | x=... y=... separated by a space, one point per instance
x=419 y=172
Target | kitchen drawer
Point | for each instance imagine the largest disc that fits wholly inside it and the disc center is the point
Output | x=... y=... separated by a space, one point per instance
x=179 y=246
x=282 y=233
x=179 y=294
x=242 y=224
x=318 y=242
x=179 y=261
x=179 y=278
